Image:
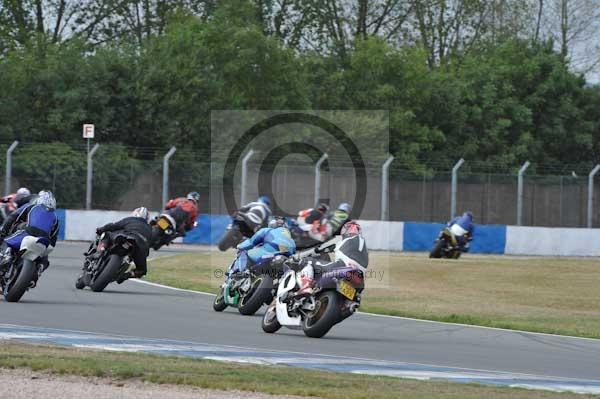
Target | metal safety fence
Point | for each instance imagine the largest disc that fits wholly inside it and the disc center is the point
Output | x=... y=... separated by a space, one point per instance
x=113 y=177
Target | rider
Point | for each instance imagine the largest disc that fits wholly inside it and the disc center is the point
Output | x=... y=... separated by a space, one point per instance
x=23 y=196
x=37 y=219
x=184 y=211
x=18 y=199
x=462 y=229
x=350 y=252
x=312 y=216
x=137 y=226
x=331 y=225
x=257 y=213
x=265 y=244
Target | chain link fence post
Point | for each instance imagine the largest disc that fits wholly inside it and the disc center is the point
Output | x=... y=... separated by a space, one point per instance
x=90 y=174
x=165 y=176
x=8 y=174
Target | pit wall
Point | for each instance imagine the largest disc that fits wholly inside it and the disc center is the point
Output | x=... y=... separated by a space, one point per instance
x=79 y=225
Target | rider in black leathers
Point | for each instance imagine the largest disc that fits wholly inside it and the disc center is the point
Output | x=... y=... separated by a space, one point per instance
x=137 y=226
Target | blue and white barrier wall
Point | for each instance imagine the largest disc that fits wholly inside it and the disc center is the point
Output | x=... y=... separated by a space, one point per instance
x=79 y=225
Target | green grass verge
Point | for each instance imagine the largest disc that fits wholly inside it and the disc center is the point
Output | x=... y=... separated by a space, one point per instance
x=549 y=295
x=230 y=376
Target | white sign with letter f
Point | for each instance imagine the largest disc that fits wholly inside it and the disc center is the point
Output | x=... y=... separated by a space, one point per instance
x=88 y=131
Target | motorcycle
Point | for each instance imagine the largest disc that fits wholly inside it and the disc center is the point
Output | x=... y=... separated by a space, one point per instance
x=26 y=268
x=240 y=228
x=336 y=296
x=250 y=289
x=107 y=261
x=446 y=245
x=164 y=231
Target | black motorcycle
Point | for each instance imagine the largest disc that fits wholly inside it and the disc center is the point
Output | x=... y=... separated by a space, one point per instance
x=108 y=259
x=240 y=228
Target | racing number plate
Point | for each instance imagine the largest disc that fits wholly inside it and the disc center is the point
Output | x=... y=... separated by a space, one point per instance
x=163 y=224
x=347 y=290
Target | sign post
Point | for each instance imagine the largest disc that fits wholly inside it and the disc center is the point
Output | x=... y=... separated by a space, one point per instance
x=88 y=134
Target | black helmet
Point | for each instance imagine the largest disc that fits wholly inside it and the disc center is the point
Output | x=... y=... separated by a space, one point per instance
x=323 y=207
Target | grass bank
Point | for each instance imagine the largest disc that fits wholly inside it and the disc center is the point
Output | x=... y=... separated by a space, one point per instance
x=227 y=376
x=551 y=295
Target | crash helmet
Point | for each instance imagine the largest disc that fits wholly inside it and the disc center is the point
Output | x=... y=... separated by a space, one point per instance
x=141 y=212
x=265 y=200
x=46 y=198
x=323 y=208
x=351 y=228
x=23 y=191
x=277 y=221
x=194 y=196
x=345 y=207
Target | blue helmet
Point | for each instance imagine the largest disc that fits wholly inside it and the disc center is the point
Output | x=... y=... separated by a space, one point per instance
x=344 y=206
x=265 y=200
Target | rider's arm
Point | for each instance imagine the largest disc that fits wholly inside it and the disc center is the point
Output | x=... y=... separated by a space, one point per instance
x=172 y=203
x=120 y=225
x=54 y=233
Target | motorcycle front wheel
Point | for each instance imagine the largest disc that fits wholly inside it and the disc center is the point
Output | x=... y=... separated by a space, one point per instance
x=436 y=252
x=219 y=304
x=261 y=292
x=270 y=324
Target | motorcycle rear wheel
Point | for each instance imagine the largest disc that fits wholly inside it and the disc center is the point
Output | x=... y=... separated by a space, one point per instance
x=108 y=274
x=326 y=316
x=229 y=239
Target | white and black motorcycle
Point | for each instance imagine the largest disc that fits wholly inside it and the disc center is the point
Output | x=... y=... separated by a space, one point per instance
x=336 y=296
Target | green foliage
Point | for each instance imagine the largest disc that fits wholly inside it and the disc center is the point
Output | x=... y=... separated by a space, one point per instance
x=502 y=102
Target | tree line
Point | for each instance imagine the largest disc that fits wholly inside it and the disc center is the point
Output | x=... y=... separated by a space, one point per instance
x=493 y=81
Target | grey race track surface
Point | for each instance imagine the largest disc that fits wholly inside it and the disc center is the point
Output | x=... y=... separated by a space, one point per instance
x=141 y=310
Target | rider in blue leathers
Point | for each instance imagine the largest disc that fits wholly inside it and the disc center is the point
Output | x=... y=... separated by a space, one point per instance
x=462 y=228
x=265 y=244
x=37 y=219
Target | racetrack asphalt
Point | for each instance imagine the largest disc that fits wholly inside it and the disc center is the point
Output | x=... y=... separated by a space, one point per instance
x=141 y=310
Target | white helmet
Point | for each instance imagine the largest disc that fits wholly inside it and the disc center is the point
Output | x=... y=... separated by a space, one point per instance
x=23 y=191
x=46 y=198
x=141 y=212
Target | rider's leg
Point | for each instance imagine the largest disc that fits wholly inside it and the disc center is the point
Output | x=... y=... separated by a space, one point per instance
x=11 y=243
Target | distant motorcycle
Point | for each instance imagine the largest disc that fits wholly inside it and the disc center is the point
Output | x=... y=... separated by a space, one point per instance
x=447 y=245
x=164 y=231
x=240 y=228
x=106 y=261
x=26 y=268
x=336 y=296
x=250 y=289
